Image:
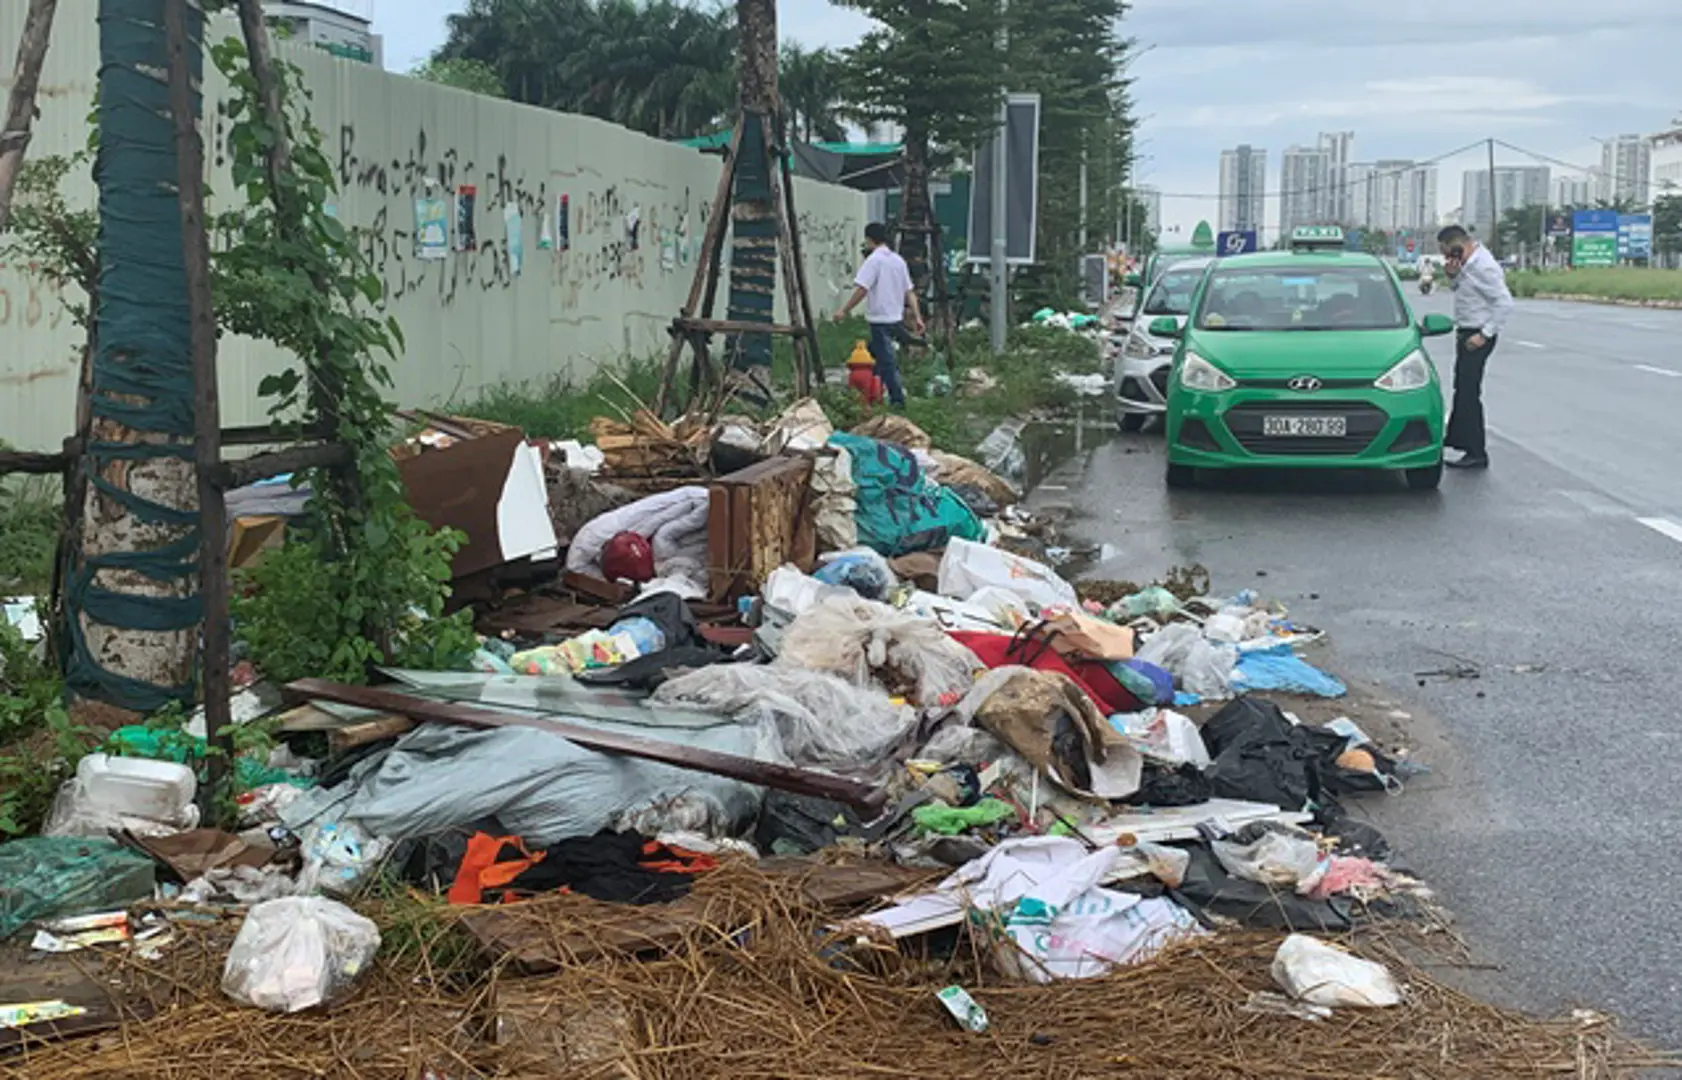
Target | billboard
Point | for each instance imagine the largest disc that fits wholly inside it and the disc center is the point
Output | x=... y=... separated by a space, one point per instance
x=1022 y=170
x=1237 y=242
x=1407 y=251
x=1559 y=224
x=1095 y=279
x=1594 y=238
x=1635 y=236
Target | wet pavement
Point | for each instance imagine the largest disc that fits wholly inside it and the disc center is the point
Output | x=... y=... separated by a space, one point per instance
x=1549 y=822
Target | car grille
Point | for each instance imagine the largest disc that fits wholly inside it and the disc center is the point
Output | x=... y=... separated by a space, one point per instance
x=1285 y=384
x=1364 y=423
x=1195 y=435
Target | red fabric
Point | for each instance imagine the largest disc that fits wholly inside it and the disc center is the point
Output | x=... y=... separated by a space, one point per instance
x=1002 y=650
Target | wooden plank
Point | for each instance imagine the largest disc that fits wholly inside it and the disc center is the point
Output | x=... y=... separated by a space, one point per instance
x=228 y=475
x=736 y=326
x=31 y=464
x=768 y=525
x=868 y=800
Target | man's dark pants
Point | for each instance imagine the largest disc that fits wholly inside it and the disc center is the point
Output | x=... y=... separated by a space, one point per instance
x=882 y=339
x=1465 y=422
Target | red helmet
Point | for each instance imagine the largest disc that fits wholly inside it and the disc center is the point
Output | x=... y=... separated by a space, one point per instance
x=627 y=557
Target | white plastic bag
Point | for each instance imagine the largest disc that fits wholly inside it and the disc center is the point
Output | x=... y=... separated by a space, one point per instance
x=968 y=567
x=863 y=641
x=1164 y=735
x=298 y=952
x=337 y=856
x=1311 y=970
x=1272 y=854
x=1198 y=666
x=1069 y=927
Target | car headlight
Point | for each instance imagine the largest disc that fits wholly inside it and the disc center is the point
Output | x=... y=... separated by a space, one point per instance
x=1138 y=348
x=1197 y=373
x=1413 y=373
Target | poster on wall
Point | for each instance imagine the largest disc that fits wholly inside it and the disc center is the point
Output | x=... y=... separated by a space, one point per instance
x=432 y=228
x=545 y=231
x=467 y=239
x=514 y=225
x=563 y=228
x=633 y=226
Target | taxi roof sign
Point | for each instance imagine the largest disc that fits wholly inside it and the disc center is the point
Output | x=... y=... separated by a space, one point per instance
x=1309 y=237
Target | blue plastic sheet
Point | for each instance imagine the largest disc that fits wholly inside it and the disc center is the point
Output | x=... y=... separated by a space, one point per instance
x=1281 y=669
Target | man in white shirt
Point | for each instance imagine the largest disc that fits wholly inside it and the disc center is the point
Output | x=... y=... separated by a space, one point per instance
x=884 y=286
x=1482 y=306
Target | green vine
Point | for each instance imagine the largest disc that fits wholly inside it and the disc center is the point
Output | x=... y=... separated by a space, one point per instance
x=363 y=581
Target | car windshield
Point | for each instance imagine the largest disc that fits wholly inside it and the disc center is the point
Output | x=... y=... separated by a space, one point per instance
x=1173 y=292
x=1301 y=298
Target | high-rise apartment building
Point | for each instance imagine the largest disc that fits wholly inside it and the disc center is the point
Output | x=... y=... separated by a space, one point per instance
x=341 y=27
x=1667 y=160
x=1339 y=147
x=1305 y=191
x=1626 y=166
x=1515 y=185
x=1577 y=191
x=1243 y=188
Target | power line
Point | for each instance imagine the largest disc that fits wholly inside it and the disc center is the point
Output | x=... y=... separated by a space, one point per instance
x=1592 y=169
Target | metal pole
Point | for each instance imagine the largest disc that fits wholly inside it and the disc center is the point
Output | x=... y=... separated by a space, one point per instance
x=1083 y=196
x=1001 y=281
x=1494 y=211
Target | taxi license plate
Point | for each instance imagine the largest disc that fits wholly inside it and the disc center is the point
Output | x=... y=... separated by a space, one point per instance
x=1306 y=427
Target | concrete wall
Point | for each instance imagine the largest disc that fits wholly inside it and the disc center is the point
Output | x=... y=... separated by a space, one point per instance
x=473 y=320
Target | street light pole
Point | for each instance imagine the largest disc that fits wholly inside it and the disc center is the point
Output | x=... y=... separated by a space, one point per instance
x=1001 y=221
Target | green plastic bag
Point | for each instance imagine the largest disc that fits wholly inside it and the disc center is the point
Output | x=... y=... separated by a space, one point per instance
x=138 y=740
x=50 y=877
x=901 y=510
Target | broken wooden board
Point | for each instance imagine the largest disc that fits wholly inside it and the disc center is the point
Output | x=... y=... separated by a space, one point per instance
x=868 y=800
x=759 y=519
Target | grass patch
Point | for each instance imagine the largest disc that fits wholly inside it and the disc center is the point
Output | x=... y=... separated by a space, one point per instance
x=1612 y=283
x=31 y=515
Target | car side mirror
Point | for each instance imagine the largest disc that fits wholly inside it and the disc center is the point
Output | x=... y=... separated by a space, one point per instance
x=1132 y=281
x=1436 y=325
x=1166 y=326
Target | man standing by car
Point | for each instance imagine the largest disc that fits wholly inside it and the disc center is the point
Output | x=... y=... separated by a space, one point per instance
x=1482 y=306
x=884 y=284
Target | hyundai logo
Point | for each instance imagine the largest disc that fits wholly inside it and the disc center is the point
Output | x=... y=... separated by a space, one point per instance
x=1305 y=384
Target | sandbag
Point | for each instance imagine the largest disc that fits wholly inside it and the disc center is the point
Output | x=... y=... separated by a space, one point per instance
x=900 y=509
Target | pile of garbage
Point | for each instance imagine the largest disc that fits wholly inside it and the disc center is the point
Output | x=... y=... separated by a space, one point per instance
x=756 y=707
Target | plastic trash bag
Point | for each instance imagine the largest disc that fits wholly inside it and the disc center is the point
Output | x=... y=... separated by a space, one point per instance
x=1199 y=666
x=863 y=641
x=1278 y=668
x=820 y=718
x=1311 y=970
x=1070 y=927
x=338 y=856
x=967 y=568
x=899 y=509
x=298 y=952
x=1272 y=854
x=1164 y=735
x=862 y=570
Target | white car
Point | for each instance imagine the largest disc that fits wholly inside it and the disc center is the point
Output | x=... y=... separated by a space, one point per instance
x=1141 y=370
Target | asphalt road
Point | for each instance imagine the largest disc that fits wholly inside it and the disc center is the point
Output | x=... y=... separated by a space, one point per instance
x=1550 y=823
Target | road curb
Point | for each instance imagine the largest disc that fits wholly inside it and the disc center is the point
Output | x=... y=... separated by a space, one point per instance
x=1668 y=305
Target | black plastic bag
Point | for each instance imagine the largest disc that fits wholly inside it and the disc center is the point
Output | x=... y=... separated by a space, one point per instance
x=1207 y=889
x=1163 y=785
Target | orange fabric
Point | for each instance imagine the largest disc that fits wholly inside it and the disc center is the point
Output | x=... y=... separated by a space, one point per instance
x=480 y=869
x=681 y=862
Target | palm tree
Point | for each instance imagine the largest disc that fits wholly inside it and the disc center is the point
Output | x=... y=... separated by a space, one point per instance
x=810 y=84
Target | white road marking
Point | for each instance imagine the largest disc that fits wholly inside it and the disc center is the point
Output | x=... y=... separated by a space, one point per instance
x=1664 y=526
x=1533 y=344
x=1659 y=370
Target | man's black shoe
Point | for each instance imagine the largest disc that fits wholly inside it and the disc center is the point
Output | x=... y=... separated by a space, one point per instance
x=1470 y=461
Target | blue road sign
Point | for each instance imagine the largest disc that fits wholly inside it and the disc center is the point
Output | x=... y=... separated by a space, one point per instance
x=1236 y=242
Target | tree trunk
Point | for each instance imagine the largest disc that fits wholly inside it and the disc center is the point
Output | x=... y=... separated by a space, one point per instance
x=753 y=217
x=916 y=209
x=20 y=108
x=133 y=599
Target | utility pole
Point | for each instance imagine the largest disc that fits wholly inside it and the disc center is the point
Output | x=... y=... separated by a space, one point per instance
x=1494 y=210
x=1083 y=195
x=1001 y=221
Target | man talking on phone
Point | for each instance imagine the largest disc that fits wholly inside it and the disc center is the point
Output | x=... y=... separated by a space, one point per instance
x=1482 y=306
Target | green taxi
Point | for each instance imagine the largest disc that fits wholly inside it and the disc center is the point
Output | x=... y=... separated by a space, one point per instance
x=1303 y=358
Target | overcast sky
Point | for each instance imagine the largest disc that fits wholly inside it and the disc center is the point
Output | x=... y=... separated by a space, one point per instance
x=1412 y=78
